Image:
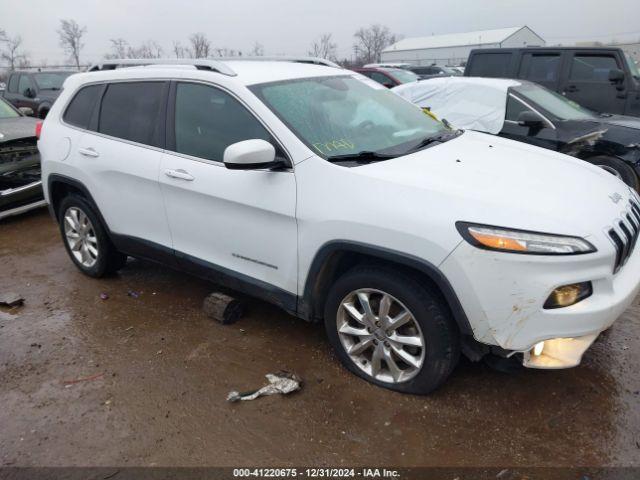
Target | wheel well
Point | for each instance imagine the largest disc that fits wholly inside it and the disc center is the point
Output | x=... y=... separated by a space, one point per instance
x=339 y=262
x=59 y=190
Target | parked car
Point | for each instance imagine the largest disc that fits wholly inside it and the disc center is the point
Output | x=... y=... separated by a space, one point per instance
x=603 y=79
x=35 y=90
x=431 y=71
x=530 y=113
x=405 y=66
x=389 y=77
x=340 y=202
x=20 y=184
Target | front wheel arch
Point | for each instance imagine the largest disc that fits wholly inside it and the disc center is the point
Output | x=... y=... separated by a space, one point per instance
x=618 y=167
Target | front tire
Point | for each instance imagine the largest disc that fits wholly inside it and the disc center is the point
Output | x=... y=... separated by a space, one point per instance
x=388 y=328
x=86 y=240
x=617 y=168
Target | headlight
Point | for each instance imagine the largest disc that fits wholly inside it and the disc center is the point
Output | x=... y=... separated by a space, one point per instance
x=521 y=241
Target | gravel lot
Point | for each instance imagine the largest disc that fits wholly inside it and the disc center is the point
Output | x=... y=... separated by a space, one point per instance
x=156 y=373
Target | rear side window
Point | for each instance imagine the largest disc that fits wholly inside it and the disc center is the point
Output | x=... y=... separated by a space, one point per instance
x=208 y=120
x=81 y=108
x=592 y=68
x=131 y=111
x=490 y=65
x=540 y=68
x=13 y=84
x=380 y=78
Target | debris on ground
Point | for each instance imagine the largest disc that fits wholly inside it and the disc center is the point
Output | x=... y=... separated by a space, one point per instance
x=85 y=379
x=223 y=308
x=133 y=294
x=104 y=296
x=280 y=382
x=11 y=299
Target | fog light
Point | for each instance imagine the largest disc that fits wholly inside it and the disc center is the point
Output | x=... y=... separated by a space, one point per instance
x=537 y=349
x=568 y=295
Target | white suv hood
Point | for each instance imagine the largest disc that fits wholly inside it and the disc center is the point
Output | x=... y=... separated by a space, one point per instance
x=491 y=180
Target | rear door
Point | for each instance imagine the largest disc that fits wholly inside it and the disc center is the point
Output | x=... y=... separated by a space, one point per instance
x=239 y=224
x=587 y=81
x=121 y=160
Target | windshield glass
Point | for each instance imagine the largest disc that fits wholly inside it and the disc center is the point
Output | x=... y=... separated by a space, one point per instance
x=342 y=115
x=403 y=76
x=633 y=67
x=554 y=103
x=50 y=80
x=6 y=111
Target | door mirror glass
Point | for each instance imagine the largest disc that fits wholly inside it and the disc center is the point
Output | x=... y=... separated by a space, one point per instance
x=251 y=154
x=616 y=76
x=529 y=119
x=29 y=93
x=27 y=111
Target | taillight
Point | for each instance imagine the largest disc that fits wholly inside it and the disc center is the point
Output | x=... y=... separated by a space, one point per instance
x=38 y=129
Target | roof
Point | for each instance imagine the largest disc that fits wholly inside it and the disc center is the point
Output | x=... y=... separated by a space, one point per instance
x=480 y=37
x=466 y=102
x=245 y=72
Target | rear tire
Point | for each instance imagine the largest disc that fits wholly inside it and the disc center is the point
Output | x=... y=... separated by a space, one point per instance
x=617 y=167
x=415 y=357
x=86 y=239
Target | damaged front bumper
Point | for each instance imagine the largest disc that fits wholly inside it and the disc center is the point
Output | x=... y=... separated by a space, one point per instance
x=20 y=179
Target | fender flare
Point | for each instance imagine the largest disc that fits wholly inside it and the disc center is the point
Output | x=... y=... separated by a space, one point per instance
x=307 y=308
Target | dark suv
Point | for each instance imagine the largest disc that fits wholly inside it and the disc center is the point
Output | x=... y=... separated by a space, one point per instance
x=35 y=90
x=602 y=79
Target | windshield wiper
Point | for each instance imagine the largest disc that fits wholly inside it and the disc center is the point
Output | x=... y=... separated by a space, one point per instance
x=364 y=156
x=443 y=137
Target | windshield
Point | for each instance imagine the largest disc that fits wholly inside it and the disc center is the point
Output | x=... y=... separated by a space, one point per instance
x=50 y=81
x=6 y=111
x=633 y=67
x=337 y=116
x=403 y=76
x=554 y=103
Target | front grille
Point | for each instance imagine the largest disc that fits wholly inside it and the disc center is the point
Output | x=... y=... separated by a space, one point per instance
x=624 y=234
x=14 y=151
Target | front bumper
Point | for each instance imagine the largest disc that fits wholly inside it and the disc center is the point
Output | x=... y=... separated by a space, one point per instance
x=503 y=296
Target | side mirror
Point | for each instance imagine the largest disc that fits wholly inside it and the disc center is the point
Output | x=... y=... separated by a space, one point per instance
x=27 y=111
x=29 y=93
x=530 y=119
x=616 y=76
x=251 y=155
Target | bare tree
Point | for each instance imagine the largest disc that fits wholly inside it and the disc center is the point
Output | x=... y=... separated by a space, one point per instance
x=149 y=49
x=179 y=51
x=11 y=53
x=119 y=48
x=24 y=61
x=371 y=41
x=70 y=34
x=324 y=47
x=200 y=45
x=257 y=50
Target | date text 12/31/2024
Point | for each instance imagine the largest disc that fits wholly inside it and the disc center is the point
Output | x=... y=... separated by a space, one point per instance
x=315 y=473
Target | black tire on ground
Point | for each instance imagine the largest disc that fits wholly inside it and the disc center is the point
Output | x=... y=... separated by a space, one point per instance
x=109 y=260
x=617 y=167
x=440 y=332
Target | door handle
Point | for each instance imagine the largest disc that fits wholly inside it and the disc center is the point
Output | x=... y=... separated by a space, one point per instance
x=88 y=152
x=181 y=174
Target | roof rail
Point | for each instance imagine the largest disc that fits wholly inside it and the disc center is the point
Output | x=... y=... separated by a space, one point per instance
x=285 y=58
x=198 y=63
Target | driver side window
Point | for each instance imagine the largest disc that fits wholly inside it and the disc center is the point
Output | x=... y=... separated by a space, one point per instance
x=208 y=120
x=514 y=108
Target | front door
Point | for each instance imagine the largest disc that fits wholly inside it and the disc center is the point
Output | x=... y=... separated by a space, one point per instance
x=237 y=227
x=544 y=136
x=588 y=82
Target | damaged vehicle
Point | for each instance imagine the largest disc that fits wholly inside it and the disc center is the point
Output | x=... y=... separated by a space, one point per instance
x=20 y=184
x=340 y=202
x=530 y=113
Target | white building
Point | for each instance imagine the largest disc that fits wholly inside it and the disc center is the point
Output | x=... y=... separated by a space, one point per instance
x=453 y=49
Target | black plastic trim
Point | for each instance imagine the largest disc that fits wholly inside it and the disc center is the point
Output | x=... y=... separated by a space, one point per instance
x=306 y=301
x=463 y=229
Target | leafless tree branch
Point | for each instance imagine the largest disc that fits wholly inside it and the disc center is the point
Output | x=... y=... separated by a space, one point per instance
x=324 y=47
x=70 y=34
x=11 y=53
x=371 y=41
x=200 y=45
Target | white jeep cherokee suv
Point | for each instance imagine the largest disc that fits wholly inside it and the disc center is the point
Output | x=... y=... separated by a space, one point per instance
x=324 y=193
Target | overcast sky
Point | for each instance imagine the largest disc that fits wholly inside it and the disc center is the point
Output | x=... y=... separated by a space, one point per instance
x=289 y=26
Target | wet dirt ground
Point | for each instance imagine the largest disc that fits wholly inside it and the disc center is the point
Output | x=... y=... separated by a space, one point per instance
x=156 y=374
